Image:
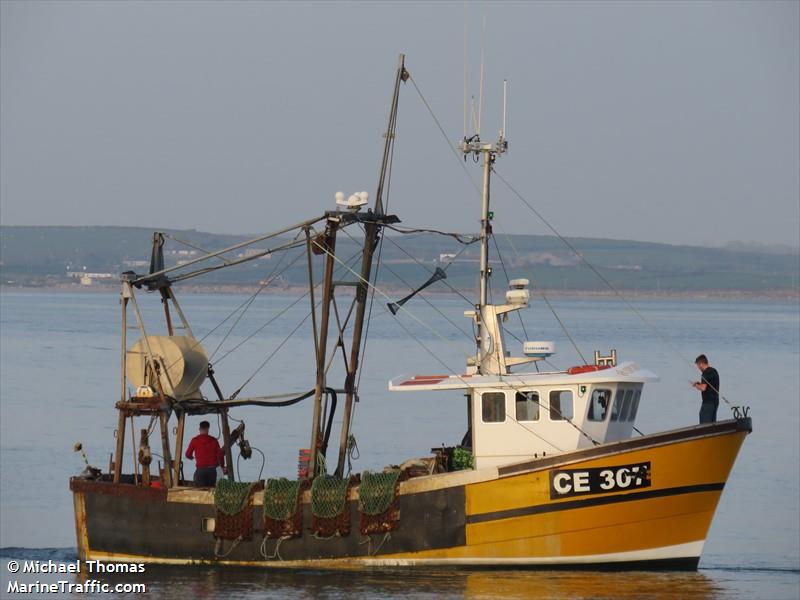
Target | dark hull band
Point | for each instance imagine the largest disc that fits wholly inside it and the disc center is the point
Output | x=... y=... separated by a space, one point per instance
x=574 y=504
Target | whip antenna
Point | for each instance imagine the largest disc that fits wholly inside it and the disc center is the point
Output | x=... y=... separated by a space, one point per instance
x=505 y=108
x=480 y=91
x=466 y=66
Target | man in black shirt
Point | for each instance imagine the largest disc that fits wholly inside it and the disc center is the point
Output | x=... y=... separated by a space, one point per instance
x=709 y=389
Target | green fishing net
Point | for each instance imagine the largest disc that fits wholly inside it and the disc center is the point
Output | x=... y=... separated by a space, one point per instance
x=377 y=491
x=280 y=498
x=230 y=497
x=328 y=496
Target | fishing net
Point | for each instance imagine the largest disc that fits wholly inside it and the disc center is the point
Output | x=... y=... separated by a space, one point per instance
x=377 y=491
x=283 y=510
x=329 y=511
x=328 y=496
x=230 y=497
x=378 y=501
x=234 y=503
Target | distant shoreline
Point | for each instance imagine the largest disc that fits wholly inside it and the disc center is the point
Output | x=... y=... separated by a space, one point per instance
x=228 y=289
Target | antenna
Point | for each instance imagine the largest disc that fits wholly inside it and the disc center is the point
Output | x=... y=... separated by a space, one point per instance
x=505 y=108
x=475 y=123
x=466 y=65
x=480 y=91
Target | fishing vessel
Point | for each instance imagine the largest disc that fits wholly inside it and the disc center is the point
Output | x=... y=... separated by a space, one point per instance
x=552 y=472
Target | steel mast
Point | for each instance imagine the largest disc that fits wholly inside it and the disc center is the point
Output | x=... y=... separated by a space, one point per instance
x=488 y=153
x=372 y=231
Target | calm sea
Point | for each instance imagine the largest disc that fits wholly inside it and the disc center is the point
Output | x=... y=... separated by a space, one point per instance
x=59 y=361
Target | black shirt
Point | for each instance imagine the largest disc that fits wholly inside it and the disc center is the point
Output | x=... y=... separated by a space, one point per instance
x=711 y=378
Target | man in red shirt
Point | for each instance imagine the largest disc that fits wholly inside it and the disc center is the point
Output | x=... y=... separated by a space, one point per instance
x=209 y=457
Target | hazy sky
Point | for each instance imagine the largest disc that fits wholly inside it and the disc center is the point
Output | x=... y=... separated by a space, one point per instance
x=673 y=122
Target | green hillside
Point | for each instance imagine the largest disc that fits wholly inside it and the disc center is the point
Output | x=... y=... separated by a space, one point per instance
x=45 y=255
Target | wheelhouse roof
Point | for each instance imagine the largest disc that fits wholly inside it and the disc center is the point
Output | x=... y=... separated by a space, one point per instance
x=626 y=372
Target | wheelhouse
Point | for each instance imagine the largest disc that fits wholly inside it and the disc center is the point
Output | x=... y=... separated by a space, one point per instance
x=519 y=417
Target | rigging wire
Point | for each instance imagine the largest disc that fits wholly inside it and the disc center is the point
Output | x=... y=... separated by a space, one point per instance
x=546 y=300
x=508 y=280
x=269 y=357
x=604 y=279
x=193 y=246
x=244 y=259
x=448 y=369
x=363 y=349
x=244 y=305
x=424 y=266
x=261 y=328
x=286 y=339
x=428 y=302
x=444 y=134
x=436 y=333
x=252 y=299
x=477 y=188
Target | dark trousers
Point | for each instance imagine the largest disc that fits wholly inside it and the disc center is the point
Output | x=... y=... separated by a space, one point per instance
x=708 y=412
x=205 y=477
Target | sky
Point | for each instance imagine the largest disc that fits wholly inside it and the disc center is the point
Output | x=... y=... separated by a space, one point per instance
x=673 y=122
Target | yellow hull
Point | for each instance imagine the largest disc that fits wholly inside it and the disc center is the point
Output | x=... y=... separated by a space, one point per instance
x=644 y=501
x=669 y=520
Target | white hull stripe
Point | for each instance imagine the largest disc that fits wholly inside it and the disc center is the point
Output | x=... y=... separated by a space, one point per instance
x=678 y=551
x=688 y=550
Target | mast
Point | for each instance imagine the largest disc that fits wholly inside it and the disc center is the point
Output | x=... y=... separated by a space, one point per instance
x=488 y=154
x=321 y=348
x=486 y=226
x=371 y=236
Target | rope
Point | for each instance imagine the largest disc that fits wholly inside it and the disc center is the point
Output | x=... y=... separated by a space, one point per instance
x=459 y=237
x=277 y=554
x=353 y=453
x=218 y=547
x=368 y=541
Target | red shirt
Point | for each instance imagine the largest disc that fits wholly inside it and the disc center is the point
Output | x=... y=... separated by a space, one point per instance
x=209 y=454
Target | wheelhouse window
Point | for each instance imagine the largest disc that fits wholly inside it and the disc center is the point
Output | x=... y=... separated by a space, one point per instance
x=561 y=405
x=527 y=406
x=617 y=404
x=599 y=405
x=626 y=406
x=493 y=407
x=637 y=394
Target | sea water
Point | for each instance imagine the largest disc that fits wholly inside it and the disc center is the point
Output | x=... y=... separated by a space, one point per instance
x=59 y=380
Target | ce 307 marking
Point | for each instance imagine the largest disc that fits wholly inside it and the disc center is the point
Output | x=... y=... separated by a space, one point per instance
x=578 y=482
